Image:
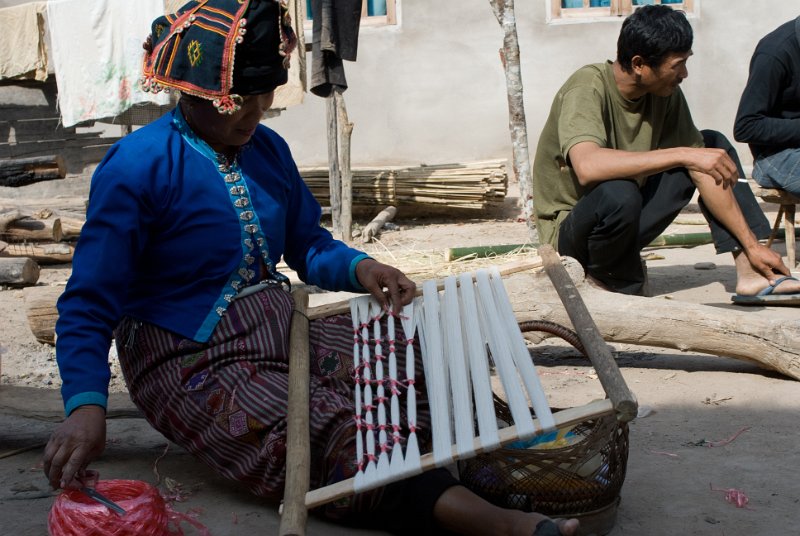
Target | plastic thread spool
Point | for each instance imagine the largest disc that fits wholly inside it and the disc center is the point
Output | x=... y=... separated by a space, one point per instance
x=76 y=514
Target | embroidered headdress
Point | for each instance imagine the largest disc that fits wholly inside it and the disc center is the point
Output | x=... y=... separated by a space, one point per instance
x=220 y=50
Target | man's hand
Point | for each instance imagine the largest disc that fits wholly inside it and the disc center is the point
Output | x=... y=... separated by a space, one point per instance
x=77 y=441
x=766 y=262
x=715 y=163
x=386 y=283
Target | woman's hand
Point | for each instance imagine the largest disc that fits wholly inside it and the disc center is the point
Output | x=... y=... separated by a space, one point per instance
x=386 y=283
x=77 y=441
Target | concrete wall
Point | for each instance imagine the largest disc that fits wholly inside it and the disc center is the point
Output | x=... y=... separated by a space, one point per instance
x=432 y=89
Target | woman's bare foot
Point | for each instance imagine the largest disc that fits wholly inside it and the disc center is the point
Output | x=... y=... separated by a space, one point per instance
x=749 y=282
x=460 y=511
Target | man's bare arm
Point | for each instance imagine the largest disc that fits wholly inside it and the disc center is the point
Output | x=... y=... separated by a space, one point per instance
x=593 y=163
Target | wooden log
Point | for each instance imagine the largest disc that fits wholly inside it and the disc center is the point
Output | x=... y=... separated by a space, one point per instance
x=373 y=228
x=23 y=171
x=298 y=447
x=18 y=272
x=40 y=308
x=7 y=216
x=596 y=348
x=687 y=327
x=71 y=227
x=34 y=229
x=43 y=253
x=75 y=205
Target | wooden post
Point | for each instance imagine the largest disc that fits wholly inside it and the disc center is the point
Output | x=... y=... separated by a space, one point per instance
x=509 y=55
x=334 y=173
x=298 y=448
x=596 y=348
x=345 y=132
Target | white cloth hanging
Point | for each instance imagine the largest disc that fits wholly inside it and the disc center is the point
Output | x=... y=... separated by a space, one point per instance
x=97 y=53
x=23 y=50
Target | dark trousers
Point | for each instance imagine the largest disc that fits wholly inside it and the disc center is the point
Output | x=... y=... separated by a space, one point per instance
x=608 y=227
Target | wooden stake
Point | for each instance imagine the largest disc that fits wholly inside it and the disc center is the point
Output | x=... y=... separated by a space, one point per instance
x=345 y=132
x=510 y=57
x=298 y=448
x=334 y=172
x=596 y=348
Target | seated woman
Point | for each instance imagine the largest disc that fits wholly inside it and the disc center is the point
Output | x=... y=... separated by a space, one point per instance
x=187 y=220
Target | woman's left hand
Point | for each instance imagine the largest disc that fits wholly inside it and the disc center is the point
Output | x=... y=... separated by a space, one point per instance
x=386 y=283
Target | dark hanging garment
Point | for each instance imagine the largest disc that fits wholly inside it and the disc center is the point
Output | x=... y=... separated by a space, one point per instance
x=335 y=38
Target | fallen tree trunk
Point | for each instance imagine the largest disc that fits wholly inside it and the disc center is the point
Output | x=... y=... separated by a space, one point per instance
x=40 y=307
x=18 y=272
x=687 y=327
x=683 y=326
x=23 y=171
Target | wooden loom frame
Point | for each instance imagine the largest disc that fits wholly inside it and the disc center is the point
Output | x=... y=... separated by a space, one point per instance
x=297 y=496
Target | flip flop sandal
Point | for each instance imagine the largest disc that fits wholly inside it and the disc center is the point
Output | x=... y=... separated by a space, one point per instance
x=547 y=527
x=767 y=296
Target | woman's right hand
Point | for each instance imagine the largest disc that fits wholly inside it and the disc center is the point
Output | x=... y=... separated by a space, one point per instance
x=76 y=442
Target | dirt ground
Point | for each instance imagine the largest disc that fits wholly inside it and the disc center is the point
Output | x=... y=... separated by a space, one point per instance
x=687 y=402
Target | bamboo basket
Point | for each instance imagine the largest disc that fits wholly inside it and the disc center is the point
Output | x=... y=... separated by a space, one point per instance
x=573 y=472
x=581 y=479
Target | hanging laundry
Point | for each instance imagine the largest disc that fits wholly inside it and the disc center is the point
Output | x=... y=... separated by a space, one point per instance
x=97 y=55
x=23 y=50
x=334 y=38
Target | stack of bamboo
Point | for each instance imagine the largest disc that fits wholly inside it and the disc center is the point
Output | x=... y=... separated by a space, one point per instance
x=475 y=186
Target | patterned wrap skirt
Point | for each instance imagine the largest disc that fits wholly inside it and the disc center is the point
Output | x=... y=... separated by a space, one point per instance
x=225 y=401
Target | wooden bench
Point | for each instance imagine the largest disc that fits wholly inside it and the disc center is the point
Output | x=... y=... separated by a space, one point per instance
x=787 y=203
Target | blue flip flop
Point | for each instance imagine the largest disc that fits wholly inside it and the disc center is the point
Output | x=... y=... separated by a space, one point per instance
x=767 y=296
x=547 y=527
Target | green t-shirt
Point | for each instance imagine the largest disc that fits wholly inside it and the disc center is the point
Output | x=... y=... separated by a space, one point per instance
x=589 y=107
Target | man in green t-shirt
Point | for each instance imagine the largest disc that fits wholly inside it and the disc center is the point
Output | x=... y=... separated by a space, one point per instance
x=619 y=157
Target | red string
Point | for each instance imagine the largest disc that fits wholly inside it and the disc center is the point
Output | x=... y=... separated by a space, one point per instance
x=147 y=514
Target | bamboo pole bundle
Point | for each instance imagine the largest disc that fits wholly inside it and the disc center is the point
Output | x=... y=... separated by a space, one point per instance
x=477 y=185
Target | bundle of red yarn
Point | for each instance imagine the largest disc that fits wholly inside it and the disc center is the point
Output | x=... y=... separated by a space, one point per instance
x=146 y=513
